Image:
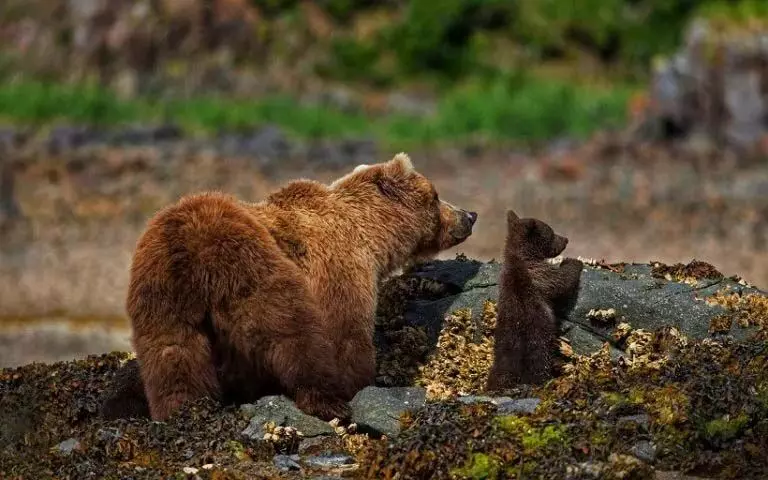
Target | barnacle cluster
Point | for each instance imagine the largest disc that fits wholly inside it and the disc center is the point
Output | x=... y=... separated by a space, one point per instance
x=460 y=365
x=601 y=315
x=689 y=273
x=745 y=309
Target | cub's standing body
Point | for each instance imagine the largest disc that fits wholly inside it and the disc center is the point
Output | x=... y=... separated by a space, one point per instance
x=532 y=295
x=239 y=300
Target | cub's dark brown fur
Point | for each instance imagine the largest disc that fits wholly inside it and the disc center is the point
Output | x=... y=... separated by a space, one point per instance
x=533 y=294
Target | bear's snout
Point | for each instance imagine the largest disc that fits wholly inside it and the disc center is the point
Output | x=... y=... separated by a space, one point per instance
x=463 y=227
x=559 y=245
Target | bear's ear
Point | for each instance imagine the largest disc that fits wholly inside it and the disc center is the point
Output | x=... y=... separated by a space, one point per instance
x=512 y=217
x=389 y=185
x=402 y=163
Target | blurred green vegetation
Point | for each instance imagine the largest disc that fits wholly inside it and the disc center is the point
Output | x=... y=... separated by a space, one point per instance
x=447 y=37
x=487 y=61
x=516 y=107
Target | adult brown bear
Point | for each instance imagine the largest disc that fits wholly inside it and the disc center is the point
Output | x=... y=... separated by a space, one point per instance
x=240 y=300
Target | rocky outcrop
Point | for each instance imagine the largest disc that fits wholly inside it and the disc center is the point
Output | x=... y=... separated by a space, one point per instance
x=715 y=86
x=643 y=296
x=664 y=372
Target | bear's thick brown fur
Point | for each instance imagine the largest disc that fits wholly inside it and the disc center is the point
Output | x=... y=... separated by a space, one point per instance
x=532 y=295
x=238 y=300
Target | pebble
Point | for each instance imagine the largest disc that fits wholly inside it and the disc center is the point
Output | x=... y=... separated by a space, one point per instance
x=286 y=462
x=522 y=405
x=190 y=470
x=108 y=434
x=644 y=450
x=329 y=461
x=68 y=446
x=641 y=419
x=506 y=405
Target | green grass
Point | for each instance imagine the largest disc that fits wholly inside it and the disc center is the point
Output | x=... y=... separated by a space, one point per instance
x=503 y=109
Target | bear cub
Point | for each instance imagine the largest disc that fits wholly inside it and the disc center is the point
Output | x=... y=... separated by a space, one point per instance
x=534 y=297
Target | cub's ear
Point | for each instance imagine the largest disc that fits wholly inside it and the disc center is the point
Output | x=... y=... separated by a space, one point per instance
x=401 y=164
x=512 y=217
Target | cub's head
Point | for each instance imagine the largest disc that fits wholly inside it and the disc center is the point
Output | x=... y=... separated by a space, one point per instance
x=532 y=238
x=405 y=213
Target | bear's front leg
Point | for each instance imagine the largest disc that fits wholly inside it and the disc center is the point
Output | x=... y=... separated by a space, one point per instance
x=567 y=285
x=305 y=364
x=303 y=357
x=357 y=358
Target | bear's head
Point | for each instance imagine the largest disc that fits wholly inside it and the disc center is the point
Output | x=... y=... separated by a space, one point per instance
x=533 y=239
x=403 y=209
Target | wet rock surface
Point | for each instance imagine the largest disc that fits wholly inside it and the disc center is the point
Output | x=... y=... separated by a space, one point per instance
x=377 y=410
x=282 y=412
x=660 y=398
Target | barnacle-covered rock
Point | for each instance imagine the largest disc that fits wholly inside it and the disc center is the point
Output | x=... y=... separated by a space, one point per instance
x=655 y=393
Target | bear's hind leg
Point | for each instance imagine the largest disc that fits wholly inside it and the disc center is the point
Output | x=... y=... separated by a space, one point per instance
x=176 y=366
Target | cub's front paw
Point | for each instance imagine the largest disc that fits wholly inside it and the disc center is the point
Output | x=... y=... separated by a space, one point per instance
x=572 y=263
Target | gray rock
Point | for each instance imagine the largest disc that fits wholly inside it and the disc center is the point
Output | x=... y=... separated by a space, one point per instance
x=10 y=139
x=521 y=405
x=642 y=300
x=266 y=145
x=314 y=444
x=506 y=405
x=472 y=399
x=108 y=434
x=283 y=412
x=9 y=207
x=286 y=462
x=329 y=461
x=137 y=135
x=68 y=446
x=68 y=137
x=646 y=302
x=668 y=475
x=722 y=99
x=644 y=450
x=584 y=341
x=377 y=411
